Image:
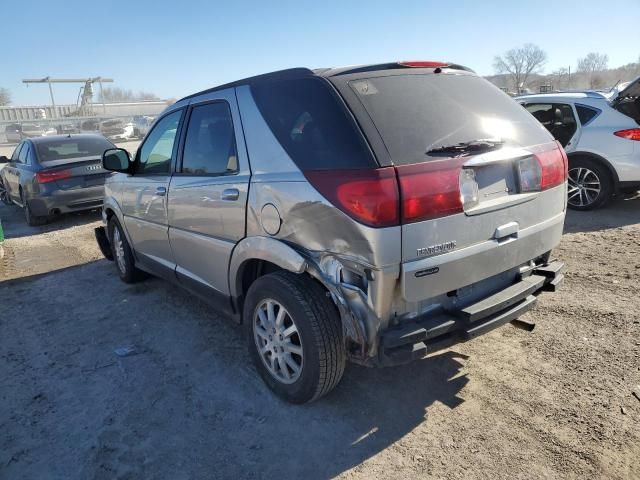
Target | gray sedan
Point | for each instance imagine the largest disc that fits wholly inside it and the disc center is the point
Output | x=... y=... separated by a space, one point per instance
x=55 y=174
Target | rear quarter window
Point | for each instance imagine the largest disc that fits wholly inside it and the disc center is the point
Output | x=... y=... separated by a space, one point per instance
x=586 y=114
x=308 y=119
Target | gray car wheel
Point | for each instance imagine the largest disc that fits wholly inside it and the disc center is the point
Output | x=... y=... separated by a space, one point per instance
x=122 y=254
x=589 y=185
x=32 y=220
x=294 y=335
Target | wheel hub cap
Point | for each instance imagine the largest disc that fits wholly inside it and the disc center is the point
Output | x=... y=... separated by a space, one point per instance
x=584 y=187
x=278 y=341
x=119 y=248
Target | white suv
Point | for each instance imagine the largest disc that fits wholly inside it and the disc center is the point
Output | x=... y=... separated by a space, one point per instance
x=600 y=133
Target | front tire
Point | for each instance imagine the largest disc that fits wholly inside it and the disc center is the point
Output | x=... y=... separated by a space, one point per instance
x=4 y=193
x=122 y=254
x=294 y=336
x=590 y=184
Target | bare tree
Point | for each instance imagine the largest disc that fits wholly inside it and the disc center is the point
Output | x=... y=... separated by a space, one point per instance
x=5 y=97
x=521 y=62
x=561 y=78
x=592 y=66
x=117 y=94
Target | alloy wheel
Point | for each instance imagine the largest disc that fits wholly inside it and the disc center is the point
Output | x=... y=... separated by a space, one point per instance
x=584 y=187
x=278 y=341
x=119 y=250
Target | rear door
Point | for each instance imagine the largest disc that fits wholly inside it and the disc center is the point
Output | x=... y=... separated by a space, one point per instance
x=144 y=195
x=208 y=193
x=423 y=120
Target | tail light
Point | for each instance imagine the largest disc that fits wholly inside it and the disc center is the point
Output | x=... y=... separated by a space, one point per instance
x=629 y=134
x=369 y=196
x=46 y=177
x=430 y=190
x=554 y=167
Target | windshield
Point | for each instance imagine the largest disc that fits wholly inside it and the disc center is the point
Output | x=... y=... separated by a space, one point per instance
x=69 y=148
x=418 y=114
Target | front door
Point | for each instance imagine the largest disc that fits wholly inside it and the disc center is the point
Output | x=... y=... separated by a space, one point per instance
x=208 y=193
x=144 y=195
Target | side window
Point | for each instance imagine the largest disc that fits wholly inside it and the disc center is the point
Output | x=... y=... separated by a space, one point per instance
x=16 y=152
x=210 y=146
x=309 y=122
x=558 y=118
x=543 y=113
x=24 y=153
x=157 y=149
x=586 y=114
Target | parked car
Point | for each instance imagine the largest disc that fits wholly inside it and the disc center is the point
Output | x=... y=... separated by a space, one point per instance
x=601 y=135
x=141 y=125
x=368 y=213
x=17 y=132
x=55 y=174
x=116 y=129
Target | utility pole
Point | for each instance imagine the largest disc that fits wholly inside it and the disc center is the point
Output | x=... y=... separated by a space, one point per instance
x=86 y=81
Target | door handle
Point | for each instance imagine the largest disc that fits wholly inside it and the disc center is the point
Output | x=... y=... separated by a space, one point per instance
x=230 y=194
x=161 y=191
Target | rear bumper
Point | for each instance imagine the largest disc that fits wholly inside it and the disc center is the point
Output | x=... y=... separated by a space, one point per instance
x=413 y=340
x=66 y=201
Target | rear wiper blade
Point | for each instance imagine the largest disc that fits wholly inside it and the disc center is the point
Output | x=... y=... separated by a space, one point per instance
x=481 y=145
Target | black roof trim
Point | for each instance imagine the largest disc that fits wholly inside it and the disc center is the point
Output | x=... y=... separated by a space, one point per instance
x=287 y=74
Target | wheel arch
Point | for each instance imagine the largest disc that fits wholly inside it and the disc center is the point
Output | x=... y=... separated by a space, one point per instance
x=253 y=257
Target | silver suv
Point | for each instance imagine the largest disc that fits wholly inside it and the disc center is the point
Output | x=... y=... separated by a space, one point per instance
x=371 y=213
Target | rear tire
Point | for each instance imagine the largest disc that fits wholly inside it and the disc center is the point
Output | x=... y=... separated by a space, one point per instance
x=590 y=184
x=122 y=254
x=32 y=220
x=300 y=354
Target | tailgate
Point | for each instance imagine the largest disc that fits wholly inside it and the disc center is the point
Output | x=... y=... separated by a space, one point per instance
x=482 y=184
x=505 y=227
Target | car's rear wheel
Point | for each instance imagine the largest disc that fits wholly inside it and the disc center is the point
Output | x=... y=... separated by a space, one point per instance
x=294 y=336
x=32 y=220
x=590 y=184
x=122 y=254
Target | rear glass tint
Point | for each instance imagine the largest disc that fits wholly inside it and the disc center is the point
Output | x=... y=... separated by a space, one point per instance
x=306 y=117
x=586 y=114
x=417 y=113
x=69 y=148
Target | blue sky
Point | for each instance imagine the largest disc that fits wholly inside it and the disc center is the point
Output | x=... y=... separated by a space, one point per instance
x=179 y=47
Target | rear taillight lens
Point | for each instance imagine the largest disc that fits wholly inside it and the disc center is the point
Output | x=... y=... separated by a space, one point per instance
x=554 y=167
x=368 y=196
x=530 y=174
x=46 y=177
x=629 y=134
x=430 y=190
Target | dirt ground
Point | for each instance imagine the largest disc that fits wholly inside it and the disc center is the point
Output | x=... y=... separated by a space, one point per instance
x=553 y=403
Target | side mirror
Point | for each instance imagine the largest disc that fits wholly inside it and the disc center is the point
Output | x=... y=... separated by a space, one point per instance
x=116 y=160
x=4 y=159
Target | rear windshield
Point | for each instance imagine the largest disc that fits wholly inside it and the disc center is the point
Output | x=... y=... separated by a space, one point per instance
x=306 y=117
x=69 y=148
x=418 y=113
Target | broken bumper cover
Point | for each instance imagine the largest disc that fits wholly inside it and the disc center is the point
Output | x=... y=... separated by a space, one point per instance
x=413 y=340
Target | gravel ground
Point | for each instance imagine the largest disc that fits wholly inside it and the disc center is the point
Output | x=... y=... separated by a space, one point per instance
x=553 y=403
